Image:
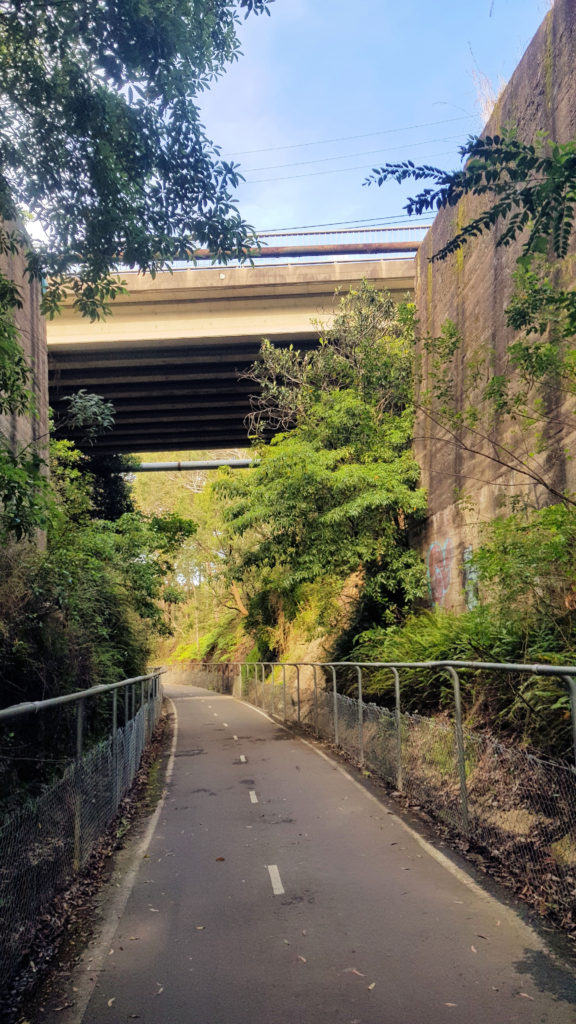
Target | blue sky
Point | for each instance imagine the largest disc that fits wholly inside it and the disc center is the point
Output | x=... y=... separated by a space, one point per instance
x=319 y=70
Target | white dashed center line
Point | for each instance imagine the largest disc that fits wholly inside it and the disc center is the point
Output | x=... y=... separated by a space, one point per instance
x=253 y=797
x=277 y=887
x=243 y=758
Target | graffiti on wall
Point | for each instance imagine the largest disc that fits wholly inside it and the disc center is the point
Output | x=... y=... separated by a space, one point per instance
x=439 y=562
x=470 y=579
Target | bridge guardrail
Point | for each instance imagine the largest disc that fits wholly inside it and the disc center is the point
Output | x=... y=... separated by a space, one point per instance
x=45 y=842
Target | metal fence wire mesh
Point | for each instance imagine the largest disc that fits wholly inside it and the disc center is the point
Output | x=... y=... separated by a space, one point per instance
x=517 y=808
x=45 y=842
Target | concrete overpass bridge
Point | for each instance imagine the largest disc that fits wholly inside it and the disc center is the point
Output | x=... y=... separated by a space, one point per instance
x=170 y=355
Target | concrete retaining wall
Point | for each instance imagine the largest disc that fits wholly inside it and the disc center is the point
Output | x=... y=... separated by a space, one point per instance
x=22 y=430
x=473 y=289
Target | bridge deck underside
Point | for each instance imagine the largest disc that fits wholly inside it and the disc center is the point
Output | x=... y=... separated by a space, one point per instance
x=180 y=397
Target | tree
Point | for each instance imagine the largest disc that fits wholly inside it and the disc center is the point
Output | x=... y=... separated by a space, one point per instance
x=368 y=347
x=338 y=493
x=102 y=145
x=101 y=138
x=509 y=415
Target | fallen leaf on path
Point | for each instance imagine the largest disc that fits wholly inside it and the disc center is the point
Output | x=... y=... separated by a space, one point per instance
x=473 y=948
x=110 y=951
x=450 y=1004
x=303 y=959
x=526 y=996
x=112 y=1001
x=220 y=858
x=134 y=938
x=161 y=989
x=153 y=910
x=373 y=985
x=352 y=970
x=304 y=932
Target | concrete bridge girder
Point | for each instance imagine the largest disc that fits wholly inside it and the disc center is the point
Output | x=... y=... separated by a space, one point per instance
x=170 y=355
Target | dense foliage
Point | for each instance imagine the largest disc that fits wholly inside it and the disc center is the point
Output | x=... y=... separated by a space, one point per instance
x=526 y=570
x=101 y=138
x=101 y=144
x=80 y=613
x=339 y=492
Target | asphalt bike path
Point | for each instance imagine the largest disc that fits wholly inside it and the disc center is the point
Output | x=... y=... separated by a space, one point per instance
x=276 y=890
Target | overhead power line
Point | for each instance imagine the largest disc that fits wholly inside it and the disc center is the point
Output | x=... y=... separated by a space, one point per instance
x=346 y=156
x=352 y=138
x=344 y=231
x=337 y=223
x=332 y=170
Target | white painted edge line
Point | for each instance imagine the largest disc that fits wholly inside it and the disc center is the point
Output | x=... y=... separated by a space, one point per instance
x=253 y=797
x=243 y=758
x=99 y=951
x=436 y=854
x=277 y=887
x=431 y=850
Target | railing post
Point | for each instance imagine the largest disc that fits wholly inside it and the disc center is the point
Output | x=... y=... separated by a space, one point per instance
x=335 y=700
x=115 y=748
x=572 y=684
x=298 y=693
x=360 y=716
x=398 y=719
x=114 y=713
x=315 y=700
x=284 y=691
x=460 y=746
x=78 y=786
x=273 y=701
x=263 y=682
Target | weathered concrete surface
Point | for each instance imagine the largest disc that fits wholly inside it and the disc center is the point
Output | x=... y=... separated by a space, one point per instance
x=367 y=926
x=21 y=430
x=170 y=355
x=473 y=289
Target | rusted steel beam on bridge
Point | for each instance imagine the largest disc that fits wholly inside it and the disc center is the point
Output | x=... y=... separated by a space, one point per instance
x=344 y=249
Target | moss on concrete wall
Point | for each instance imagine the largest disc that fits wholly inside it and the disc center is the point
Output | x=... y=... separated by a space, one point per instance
x=473 y=289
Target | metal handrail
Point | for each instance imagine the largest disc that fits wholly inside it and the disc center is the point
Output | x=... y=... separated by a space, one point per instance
x=567 y=673
x=27 y=707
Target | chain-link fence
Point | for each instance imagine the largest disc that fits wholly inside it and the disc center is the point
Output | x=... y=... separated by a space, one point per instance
x=514 y=807
x=47 y=841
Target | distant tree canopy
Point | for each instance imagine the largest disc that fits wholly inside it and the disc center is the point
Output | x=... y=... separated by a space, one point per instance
x=101 y=139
